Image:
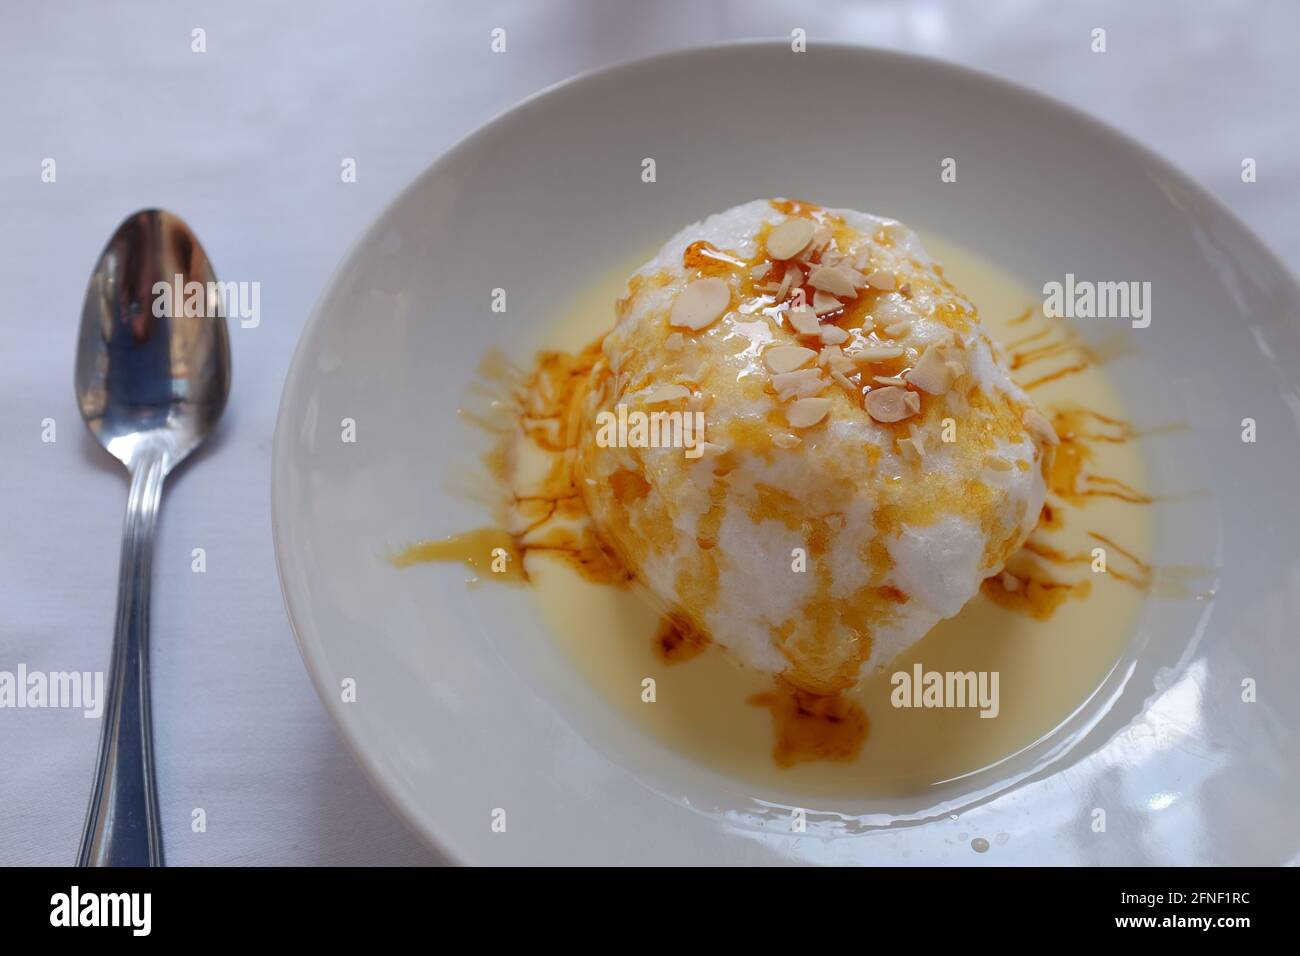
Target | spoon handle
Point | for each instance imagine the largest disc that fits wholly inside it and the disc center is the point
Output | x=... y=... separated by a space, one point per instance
x=122 y=819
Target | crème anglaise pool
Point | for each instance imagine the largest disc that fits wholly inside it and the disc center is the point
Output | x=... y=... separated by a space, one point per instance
x=865 y=459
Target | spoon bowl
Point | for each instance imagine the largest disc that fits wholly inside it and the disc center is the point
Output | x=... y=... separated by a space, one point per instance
x=153 y=367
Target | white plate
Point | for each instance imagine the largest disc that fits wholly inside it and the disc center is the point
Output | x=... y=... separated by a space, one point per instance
x=464 y=705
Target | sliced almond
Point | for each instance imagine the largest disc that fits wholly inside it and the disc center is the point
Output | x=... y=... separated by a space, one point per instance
x=801 y=383
x=834 y=335
x=835 y=359
x=873 y=354
x=890 y=404
x=787 y=358
x=931 y=373
x=897 y=330
x=918 y=439
x=856 y=278
x=675 y=342
x=831 y=280
x=893 y=308
x=789 y=238
x=784 y=287
x=1010 y=582
x=786 y=440
x=882 y=280
x=1039 y=427
x=889 y=380
x=760 y=270
x=665 y=393
x=807 y=412
x=804 y=322
x=843 y=381
x=700 y=304
x=997 y=463
x=824 y=304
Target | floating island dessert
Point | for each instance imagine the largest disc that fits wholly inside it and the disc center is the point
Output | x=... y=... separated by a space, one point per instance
x=863 y=462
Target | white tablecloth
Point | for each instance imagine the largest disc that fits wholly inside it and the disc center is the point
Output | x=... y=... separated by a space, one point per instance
x=245 y=142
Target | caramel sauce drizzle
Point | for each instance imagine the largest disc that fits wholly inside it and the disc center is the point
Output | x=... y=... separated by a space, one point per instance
x=677 y=641
x=1036 y=593
x=1032 y=350
x=1068 y=478
x=477 y=550
x=809 y=727
x=1027 y=585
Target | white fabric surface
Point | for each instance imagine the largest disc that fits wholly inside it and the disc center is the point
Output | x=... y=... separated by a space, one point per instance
x=245 y=142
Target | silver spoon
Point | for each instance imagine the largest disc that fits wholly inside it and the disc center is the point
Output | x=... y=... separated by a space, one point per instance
x=151 y=383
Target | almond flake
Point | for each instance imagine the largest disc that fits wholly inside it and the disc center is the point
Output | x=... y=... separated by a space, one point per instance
x=759 y=271
x=856 y=278
x=890 y=404
x=931 y=373
x=833 y=281
x=835 y=359
x=807 y=412
x=1010 y=582
x=789 y=238
x=834 y=335
x=787 y=358
x=897 y=330
x=786 y=440
x=675 y=342
x=882 y=280
x=700 y=304
x=873 y=354
x=784 y=287
x=842 y=380
x=997 y=463
x=892 y=308
x=804 y=321
x=665 y=393
x=890 y=380
x=1039 y=427
x=798 y=384
x=824 y=304
x=918 y=439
